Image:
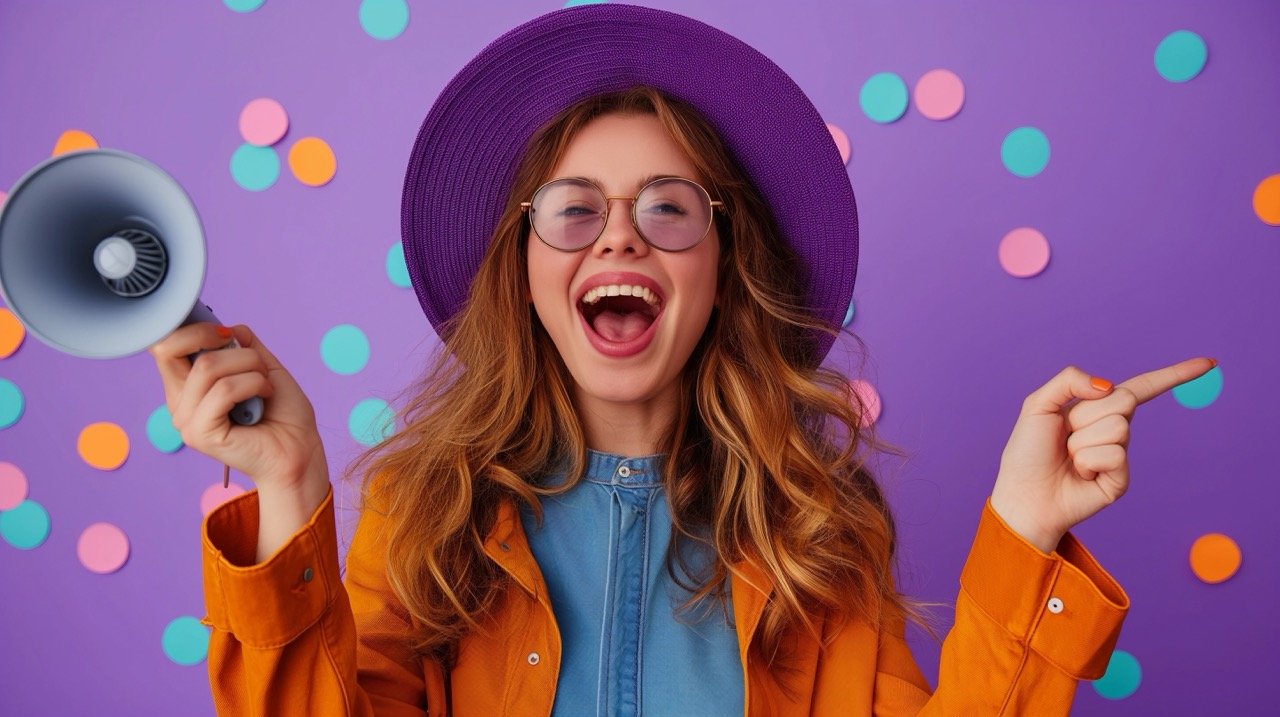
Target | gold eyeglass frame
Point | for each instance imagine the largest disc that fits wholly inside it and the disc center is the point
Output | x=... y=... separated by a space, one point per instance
x=527 y=209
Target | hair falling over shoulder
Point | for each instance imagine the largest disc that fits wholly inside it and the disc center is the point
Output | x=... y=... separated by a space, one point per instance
x=763 y=460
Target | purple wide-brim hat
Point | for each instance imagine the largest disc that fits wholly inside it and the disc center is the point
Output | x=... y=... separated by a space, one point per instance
x=466 y=154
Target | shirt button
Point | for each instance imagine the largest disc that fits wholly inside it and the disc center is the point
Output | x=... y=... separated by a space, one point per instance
x=624 y=471
x=1055 y=605
x=533 y=658
x=306 y=575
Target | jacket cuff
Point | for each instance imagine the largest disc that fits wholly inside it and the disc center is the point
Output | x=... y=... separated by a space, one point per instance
x=1062 y=604
x=269 y=604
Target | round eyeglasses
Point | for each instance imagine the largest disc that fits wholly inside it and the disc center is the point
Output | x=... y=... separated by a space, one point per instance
x=670 y=213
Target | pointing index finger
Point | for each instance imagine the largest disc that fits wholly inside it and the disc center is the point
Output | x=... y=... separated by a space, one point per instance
x=1147 y=386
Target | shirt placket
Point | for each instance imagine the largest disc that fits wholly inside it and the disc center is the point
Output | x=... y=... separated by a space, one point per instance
x=620 y=644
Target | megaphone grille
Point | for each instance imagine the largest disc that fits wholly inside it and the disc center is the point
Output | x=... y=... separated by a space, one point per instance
x=148 y=265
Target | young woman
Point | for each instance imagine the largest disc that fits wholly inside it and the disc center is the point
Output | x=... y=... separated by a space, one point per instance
x=626 y=485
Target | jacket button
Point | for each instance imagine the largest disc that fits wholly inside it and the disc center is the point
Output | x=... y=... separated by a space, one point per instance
x=306 y=575
x=1055 y=605
x=533 y=658
x=505 y=547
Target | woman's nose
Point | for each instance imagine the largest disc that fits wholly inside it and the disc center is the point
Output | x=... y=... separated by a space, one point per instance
x=620 y=233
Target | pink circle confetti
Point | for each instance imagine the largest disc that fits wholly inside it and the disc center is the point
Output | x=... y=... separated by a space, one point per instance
x=939 y=94
x=870 y=400
x=13 y=486
x=842 y=141
x=215 y=495
x=1024 y=252
x=103 y=548
x=263 y=122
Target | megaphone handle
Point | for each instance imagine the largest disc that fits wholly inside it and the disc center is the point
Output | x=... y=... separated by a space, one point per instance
x=247 y=412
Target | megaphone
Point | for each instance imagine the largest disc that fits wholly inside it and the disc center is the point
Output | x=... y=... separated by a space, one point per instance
x=102 y=255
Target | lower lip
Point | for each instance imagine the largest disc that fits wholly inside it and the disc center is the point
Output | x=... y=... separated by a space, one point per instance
x=616 y=349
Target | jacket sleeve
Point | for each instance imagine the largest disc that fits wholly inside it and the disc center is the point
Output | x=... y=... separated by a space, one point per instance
x=1028 y=627
x=287 y=638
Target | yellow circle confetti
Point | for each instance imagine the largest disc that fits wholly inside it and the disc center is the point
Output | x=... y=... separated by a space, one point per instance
x=1214 y=557
x=312 y=161
x=103 y=445
x=1266 y=200
x=72 y=140
x=12 y=332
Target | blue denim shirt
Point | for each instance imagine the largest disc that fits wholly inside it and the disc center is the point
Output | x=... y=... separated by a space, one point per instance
x=602 y=550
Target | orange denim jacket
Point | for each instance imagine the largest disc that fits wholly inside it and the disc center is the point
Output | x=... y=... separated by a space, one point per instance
x=290 y=636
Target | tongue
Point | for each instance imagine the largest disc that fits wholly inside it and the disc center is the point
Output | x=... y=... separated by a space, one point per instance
x=621 y=327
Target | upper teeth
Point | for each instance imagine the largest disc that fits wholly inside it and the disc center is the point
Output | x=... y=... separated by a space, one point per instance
x=595 y=294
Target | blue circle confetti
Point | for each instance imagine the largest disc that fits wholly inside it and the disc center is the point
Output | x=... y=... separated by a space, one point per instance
x=848 y=314
x=11 y=403
x=161 y=432
x=1200 y=391
x=344 y=349
x=883 y=97
x=185 y=640
x=26 y=525
x=576 y=3
x=1025 y=151
x=244 y=5
x=1122 y=677
x=371 y=421
x=255 y=168
x=1180 y=56
x=397 y=269
x=384 y=19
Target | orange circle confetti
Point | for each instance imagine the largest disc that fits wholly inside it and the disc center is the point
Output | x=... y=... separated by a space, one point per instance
x=12 y=332
x=103 y=445
x=1266 y=200
x=72 y=140
x=312 y=161
x=1214 y=557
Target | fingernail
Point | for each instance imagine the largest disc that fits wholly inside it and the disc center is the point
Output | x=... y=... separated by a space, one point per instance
x=1213 y=361
x=1100 y=383
x=224 y=332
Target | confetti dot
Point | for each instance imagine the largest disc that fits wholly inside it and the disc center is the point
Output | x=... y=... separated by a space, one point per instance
x=185 y=640
x=12 y=332
x=72 y=140
x=1214 y=557
x=160 y=430
x=1023 y=252
x=13 y=486
x=870 y=400
x=263 y=122
x=345 y=349
x=103 y=548
x=1122 y=677
x=255 y=168
x=576 y=3
x=1200 y=391
x=244 y=5
x=25 y=526
x=842 y=141
x=848 y=314
x=371 y=421
x=1266 y=201
x=939 y=94
x=3 y=196
x=215 y=495
x=1025 y=151
x=397 y=270
x=1180 y=56
x=883 y=97
x=11 y=403
x=312 y=161
x=384 y=19
x=103 y=445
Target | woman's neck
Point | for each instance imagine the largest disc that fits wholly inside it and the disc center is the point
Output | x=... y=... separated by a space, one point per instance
x=629 y=429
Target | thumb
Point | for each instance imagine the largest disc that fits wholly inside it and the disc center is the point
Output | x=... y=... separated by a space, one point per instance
x=1070 y=383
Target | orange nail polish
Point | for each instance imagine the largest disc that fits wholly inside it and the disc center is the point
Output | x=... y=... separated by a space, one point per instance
x=1100 y=383
x=224 y=332
x=1214 y=361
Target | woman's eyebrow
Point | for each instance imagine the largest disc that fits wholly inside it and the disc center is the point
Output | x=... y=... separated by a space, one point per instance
x=643 y=180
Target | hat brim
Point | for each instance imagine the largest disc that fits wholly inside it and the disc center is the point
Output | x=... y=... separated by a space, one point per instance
x=467 y=151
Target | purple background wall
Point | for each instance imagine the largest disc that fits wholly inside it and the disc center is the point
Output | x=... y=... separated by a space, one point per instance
x=1157 y=257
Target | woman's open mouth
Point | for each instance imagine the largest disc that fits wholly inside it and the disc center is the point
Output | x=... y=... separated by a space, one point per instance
x=618 y=325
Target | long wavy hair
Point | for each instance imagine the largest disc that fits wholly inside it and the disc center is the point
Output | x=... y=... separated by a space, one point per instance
x=762 y=459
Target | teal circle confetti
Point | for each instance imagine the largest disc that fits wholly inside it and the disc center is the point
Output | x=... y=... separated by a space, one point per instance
x=576 y=3
x=1201 y=391
x=160 y=430
x=344 y=349
x=397 y=270
x=883 y=97
x=11 y=403
x=1122 y=677
x=244 y=5
x=371 y=421
x=185 y=640
x=1180 y=56
x=384 y=19
x=1025 y=151
x=255 y=168
x=26 y=525
x=848 y=314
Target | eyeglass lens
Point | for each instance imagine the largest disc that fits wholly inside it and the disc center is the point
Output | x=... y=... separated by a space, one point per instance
x=672 y=214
